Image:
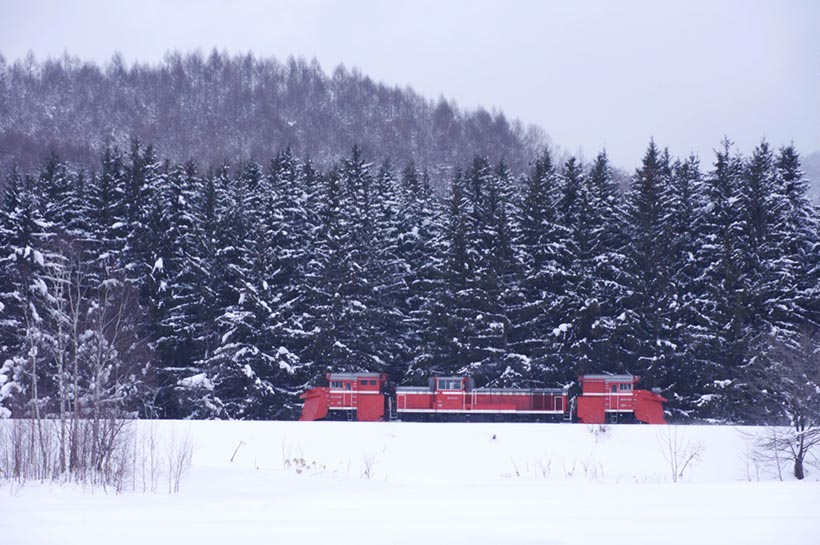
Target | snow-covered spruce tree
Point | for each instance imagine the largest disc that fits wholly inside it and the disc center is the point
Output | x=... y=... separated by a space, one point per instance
x=759 y=203
x=237 y=371
x=683 y=202
x=193 y=394
x=474 y=287
x=608 y=267
x=793 y=277
x=446 y=315
x=366 y=314
x=9 y=228
x=583 y=347
x=546 y=259
x=181 y=315
x=60 y=200
x=757 y=257
x=648 y=315
x=213 y=188
x=476 y=234
x=503 y=280
x=267 y=331
x=107 y=212
x=721 y=343
x=145 y=218
x=25 y=235
x=12 y=294
x=781 y=271
x=423 y=247
x=340 y=293
x=387 y=270
x=292 y=225
x=61 y=210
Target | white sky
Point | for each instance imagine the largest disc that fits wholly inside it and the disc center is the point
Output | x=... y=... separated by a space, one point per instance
x=591 y=73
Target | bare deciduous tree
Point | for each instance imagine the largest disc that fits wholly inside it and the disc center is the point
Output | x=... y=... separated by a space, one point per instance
x=84 y=368
x=789 y=377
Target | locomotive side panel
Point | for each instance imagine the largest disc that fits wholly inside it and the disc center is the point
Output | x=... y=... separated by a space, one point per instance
x=365 y=397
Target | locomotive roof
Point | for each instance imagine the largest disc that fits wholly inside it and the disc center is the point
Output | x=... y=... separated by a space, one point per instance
x=557 y=391
x=610 y=377
x=521 y=390
x=353 y=376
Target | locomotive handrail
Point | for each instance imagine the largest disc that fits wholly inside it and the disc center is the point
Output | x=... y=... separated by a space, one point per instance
x=447 y=398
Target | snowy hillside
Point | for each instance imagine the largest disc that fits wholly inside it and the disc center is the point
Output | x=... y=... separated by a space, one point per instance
x=339 y=483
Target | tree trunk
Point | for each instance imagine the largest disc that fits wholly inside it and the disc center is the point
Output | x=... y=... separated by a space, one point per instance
x=798 y=468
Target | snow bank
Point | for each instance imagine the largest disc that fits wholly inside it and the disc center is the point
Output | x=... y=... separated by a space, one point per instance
x=327 y=482
x=413 y=453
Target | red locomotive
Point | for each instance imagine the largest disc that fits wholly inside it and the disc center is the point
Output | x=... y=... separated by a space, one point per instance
x=368 y=397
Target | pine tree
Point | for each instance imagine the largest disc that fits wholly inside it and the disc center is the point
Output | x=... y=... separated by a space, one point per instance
x=648 y=310
x=60 y=199
x=107 y=212
x=387 y=271
x=609 y=268
x=503 y=277
x=721 y=343
x=758 y=199
x=228 y=386
x=450 y=313
x=421 y=246
x=176 y=300
x=144 y=217
x=12 y=293
x=683 y=203
x=542 y=319
x=581 y=344
x=24 y=235
x=336 y=280
x=792 y=276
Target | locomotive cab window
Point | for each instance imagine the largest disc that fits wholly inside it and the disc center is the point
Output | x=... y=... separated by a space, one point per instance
x=335 y=383
x=347 y=386
x=626 y=387
x=449 y=384
x=363 y=382
x=614 y=388
x=372 y=382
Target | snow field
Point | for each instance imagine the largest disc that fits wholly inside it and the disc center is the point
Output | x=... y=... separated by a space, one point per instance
x=338 y=483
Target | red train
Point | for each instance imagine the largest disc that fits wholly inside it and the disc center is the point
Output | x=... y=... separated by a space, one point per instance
x=368 y=397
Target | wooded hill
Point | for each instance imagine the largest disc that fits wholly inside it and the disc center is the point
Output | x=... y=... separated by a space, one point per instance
x=221 y=108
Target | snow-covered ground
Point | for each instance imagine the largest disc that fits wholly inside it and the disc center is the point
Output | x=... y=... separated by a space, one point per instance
x=363 y=483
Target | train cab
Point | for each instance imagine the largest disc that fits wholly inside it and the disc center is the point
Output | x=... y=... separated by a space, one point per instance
x=614 y=398
x=348 y=396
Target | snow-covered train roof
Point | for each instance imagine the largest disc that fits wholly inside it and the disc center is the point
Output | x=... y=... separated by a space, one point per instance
x=609 y=377
x=352 y=376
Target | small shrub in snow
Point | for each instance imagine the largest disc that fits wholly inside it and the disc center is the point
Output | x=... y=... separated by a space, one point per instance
x=544 y=467
x=368 y=469
x=302 y=466
x=594 y=471
x=569 y=471
x=679 y=453
x=179 y=453
x=599 y=432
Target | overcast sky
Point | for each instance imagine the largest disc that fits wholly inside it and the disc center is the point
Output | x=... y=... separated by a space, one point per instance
x=591 y=73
